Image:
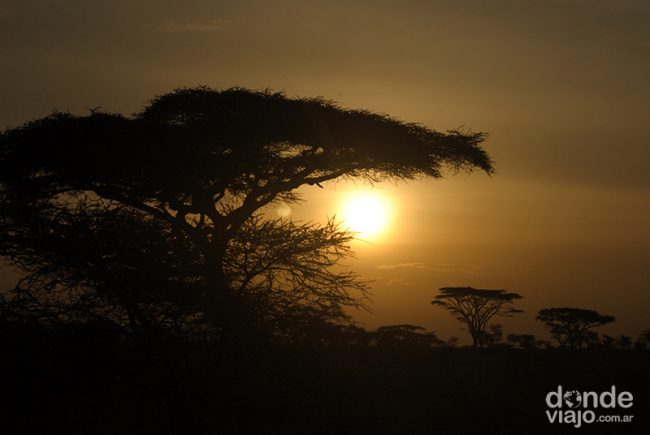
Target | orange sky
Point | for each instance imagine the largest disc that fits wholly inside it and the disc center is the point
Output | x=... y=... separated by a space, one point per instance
x=563 y=89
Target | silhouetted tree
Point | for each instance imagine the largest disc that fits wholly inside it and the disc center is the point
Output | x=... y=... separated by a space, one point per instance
x=405 y=336
x=571 y=327
x=624 y=342
x=493 y=336
x=522 y=341
x=608 y=341
x=349 y=335
x=159 y=217
x=311 y=329
x=83 y=269
x=475 y=307
x=452 y=342
x=591 y=339
x=643 y=340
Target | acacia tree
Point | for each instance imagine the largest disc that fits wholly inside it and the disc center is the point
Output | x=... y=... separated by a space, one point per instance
x=571 y=327
x=134 y=218
x=475 y=307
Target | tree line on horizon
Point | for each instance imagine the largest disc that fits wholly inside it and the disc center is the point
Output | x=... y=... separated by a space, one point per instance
x=571 y=328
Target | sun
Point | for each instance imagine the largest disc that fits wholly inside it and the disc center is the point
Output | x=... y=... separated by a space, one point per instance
x=366 y=213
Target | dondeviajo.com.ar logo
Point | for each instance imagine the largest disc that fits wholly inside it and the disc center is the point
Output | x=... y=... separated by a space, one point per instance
x=570 y=406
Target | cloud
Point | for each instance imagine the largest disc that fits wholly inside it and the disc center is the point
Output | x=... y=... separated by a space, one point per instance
x=462 y=268
x=189 y=27
x=404 y=265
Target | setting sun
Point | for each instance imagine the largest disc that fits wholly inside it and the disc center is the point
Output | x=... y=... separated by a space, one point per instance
x=366 y=213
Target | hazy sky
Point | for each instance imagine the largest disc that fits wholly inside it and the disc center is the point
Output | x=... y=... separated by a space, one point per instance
x=562 y=88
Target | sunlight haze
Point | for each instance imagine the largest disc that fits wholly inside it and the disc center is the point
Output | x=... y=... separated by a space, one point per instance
x=366 y=213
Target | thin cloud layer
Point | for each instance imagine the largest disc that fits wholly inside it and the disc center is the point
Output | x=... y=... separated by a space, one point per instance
x=405 y=265
x=465 y=268
x=189 y=27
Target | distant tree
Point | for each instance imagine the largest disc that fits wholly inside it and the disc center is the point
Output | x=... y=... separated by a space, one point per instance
x=312 y=330
x=405 y=336
x=493 y=336
x=571 y=327
x=452 y=342
x=350 y=335
x=624 y=342
x=475 y=307
x=591 y=339
x=608 y=341
x=522 y=341
x=159 y=219
x=643 y=340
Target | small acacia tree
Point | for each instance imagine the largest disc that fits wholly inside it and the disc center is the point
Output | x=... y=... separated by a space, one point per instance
x=571 y=327
x=475 y=307
x=158 y=218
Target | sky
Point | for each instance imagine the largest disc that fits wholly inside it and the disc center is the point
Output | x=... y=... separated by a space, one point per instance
x=561 y=87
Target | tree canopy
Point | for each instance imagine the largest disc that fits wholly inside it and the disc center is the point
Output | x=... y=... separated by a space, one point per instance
x=571 y=327
x=105 y=209
x=475 y=307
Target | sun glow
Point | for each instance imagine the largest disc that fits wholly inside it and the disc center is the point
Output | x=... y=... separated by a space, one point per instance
x=366 y=213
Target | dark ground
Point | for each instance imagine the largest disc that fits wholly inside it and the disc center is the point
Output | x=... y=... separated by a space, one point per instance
x=88 y=383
